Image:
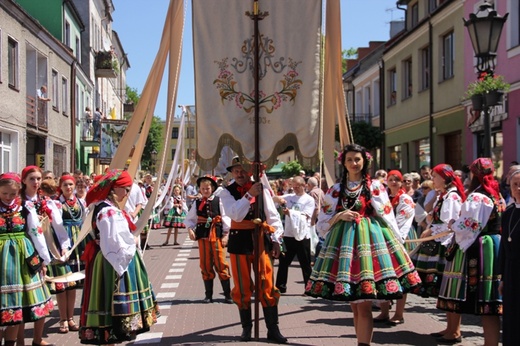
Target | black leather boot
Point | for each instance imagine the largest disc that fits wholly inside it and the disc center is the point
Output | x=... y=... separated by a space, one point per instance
x=226 y=287
x=247 y=324
x=208 y=286
x=271 y=322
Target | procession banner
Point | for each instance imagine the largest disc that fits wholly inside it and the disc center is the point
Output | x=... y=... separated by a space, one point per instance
x=290 y=78
x=111 y=133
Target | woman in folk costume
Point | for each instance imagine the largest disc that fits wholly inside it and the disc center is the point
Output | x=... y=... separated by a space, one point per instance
x=429 y=259
x=24 y=295
x=472 y=262
x=207 y=225
x=362 y=258
x=118 y=302
x=510 y=265
x=404 y=211
x=50 y=216
x=175 y=218
x=72 y=214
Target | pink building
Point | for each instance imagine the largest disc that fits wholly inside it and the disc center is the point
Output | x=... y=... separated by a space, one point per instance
x=505 y=119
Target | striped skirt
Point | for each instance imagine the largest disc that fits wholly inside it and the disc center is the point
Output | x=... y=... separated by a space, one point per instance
x=470 y=282
x=115 y=310
x=174 y=219
x=430 y=269
x=24 y=296
x=360 y=261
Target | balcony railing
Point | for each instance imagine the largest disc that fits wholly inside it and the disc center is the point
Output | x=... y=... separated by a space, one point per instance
x=37 y=113
x=358 y=117
x=106 y=65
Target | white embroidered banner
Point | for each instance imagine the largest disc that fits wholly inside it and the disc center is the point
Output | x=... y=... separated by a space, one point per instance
x=290 y=78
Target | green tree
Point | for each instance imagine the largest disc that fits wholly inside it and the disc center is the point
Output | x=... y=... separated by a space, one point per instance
x=155 y=139
x=291 y=169
x=350 y=53
x=132 y=96
x=366 y=135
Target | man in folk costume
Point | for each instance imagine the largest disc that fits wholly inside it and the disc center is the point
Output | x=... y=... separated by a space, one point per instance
x=210 y=228
x=239 y=199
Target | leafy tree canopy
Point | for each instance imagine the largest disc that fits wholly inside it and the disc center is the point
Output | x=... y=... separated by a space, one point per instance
x=291 y=169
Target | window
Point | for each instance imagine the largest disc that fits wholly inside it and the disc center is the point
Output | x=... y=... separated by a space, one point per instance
x=190 y=132
x=59 y=162
x=513 y=23
x=64 y=96
x=78 y=50
x=425 y=68
x=415 y=14
x=173 y=154
x=367 y=104
x=55 y=90
x=447 y=56
x=376 y=97
x=66 y=34
x=392 y=86
x=1 y=57
x=12 y=62
x=432 y=5
x=407 y=78
x=6 y=150
x=175 y=133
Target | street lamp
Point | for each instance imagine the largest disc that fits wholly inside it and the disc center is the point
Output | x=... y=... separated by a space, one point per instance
x=153 y=155
x=485 y=28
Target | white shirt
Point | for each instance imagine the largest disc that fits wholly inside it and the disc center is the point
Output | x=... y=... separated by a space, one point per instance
x=298 y=222
x=135 y=198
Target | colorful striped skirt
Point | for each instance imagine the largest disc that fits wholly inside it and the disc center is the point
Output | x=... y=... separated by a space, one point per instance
x=430 y=269
x=174 y=219
x=115 y=310
x=360 y=261
x=24 y=296
x=470 y=281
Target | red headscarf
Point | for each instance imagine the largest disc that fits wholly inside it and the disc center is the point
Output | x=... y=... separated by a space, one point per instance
x=446 y=172
x=67 y=177
x=396 y=173
x=113 y=178
x=483 y=169
x=399 y=175
x=29 y=169
x=11 y=175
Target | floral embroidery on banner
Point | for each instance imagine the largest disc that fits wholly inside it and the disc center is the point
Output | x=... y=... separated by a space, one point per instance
x=227 y=85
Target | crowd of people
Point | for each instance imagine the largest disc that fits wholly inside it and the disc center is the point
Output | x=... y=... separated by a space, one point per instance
x=368 y=240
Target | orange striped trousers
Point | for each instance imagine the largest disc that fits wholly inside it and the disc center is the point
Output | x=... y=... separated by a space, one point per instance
x=241 y=267
x=212 y=257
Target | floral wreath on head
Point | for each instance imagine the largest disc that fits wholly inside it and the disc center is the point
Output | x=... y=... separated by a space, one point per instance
x=368 y=157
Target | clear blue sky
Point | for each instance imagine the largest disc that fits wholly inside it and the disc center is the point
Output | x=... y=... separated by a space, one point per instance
x=139 y=26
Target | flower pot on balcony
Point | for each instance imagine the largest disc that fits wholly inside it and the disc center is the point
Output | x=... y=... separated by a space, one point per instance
x=477 y=101
x=493 y=97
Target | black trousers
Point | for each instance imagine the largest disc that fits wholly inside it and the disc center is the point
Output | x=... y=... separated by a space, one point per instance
x=293 y=247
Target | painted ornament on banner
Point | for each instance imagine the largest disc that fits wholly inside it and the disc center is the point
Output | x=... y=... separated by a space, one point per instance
x=229 y=89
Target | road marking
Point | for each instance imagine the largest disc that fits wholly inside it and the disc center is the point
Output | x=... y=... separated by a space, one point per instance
x=176 y=270
x=165 y=305
x=162 y=320
x=179 y=265
x=170 y=285
x=180 y=259
x=184 y=255
x=173 y=277
x=148 y=338
x=166 y=295
x=185 y=250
